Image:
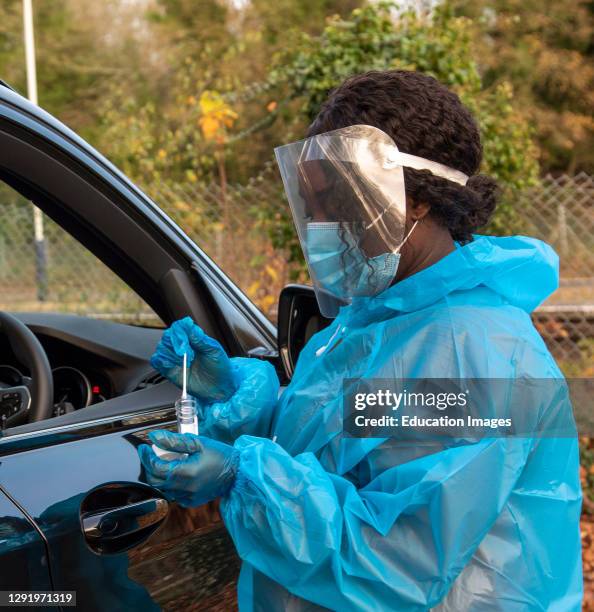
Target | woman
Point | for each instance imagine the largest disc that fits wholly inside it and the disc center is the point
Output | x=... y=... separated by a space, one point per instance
x=322 y=520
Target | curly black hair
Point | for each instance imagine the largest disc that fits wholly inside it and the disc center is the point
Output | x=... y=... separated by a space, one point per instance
x=426 y=119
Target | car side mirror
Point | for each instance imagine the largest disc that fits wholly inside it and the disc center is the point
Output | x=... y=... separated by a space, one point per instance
x=299 y=318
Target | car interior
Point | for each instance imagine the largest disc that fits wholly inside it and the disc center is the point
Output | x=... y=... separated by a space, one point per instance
x=91 y=360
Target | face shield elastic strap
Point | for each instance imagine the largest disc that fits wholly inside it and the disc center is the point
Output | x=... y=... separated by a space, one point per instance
x=397 y=158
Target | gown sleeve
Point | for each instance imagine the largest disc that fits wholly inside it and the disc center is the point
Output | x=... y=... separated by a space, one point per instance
x=249 y=410
x=399 y=541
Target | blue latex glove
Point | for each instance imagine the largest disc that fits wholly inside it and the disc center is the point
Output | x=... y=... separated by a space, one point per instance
x=207 y=473
x=210 y=374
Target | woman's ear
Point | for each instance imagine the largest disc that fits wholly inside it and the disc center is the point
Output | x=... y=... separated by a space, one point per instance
x=418 y=210
x=415 y=211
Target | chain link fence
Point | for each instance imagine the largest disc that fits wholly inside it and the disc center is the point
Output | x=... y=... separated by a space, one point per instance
x=560 y=211
x=247 y=230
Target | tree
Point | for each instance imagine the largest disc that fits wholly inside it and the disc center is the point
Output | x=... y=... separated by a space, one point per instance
x=191 y=25
x=81 y=48
x=545 y=49
x=273 y=19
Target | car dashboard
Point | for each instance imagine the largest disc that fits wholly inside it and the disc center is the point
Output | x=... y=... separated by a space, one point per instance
x=92 y=360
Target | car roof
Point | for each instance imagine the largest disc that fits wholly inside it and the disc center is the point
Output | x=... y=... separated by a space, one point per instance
x=10 y=96
x=5 y=84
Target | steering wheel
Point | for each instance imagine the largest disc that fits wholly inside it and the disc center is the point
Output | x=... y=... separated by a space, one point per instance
x=36 y=396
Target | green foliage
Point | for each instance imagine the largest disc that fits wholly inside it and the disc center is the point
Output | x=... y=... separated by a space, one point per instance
x=158 y=144
x=81 y=48
x=273 y=19
x=374 y=38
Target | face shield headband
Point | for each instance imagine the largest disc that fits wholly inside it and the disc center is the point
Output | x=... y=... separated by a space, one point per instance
x=347 y=197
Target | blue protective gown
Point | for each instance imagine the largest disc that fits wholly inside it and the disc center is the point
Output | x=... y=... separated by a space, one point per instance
x=321 y=520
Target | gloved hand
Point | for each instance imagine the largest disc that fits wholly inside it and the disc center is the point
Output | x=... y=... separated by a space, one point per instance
x=210 y=373
x=207 y=473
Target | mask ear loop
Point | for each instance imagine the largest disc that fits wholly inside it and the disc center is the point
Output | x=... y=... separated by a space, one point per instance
x=407 y=236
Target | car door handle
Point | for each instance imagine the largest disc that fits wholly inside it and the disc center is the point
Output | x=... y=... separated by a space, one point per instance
x=115 y=523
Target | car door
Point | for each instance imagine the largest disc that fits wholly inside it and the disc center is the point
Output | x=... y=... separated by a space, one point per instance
x=113 y=539
x=76 y=478
x=23 y=553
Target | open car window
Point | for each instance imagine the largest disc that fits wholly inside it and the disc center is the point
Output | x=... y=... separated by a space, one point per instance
x=44 y=269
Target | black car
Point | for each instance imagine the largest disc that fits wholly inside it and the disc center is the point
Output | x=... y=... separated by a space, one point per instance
x=75 y=514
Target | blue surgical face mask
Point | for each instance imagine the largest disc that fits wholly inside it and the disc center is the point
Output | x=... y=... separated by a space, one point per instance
x=341 y=268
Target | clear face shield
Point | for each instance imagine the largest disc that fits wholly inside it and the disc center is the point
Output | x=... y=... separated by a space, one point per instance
x=347 y=197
